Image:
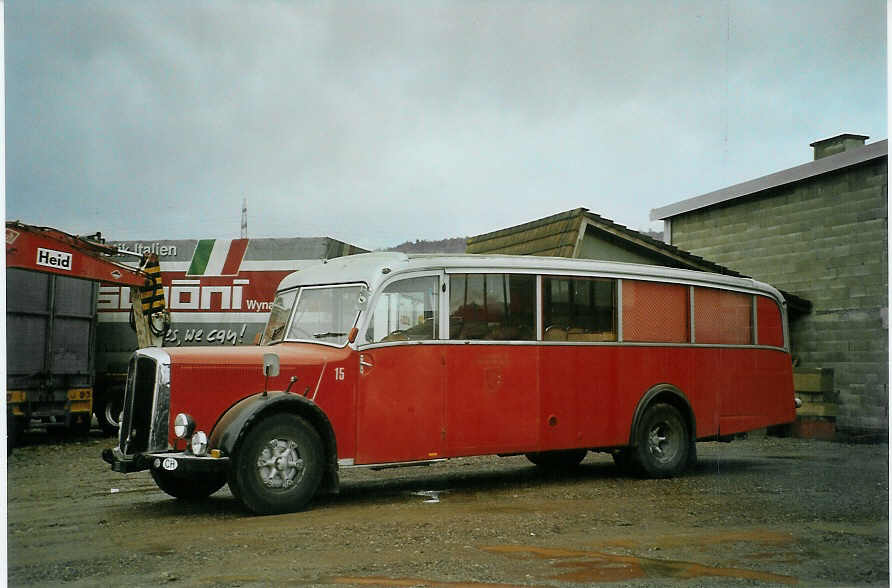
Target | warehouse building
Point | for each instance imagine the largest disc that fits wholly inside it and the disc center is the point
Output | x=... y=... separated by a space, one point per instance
x=818 y=230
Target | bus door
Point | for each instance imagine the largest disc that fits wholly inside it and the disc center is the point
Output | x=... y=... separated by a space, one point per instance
x=400 y=401
x=492 y=364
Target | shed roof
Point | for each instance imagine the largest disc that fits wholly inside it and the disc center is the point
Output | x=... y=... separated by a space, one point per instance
x=792 y=175
x=559 y=235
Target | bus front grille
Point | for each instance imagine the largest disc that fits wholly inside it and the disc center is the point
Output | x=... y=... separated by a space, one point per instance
x=146 y=412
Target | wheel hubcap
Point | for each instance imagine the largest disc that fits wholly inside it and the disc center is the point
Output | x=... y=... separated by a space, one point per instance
x=662 y=442
x=279 y=464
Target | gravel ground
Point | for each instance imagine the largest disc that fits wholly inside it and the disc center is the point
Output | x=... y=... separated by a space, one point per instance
x=763 y=511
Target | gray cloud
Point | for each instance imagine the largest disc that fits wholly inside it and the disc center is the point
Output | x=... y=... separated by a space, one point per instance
x=386 y=121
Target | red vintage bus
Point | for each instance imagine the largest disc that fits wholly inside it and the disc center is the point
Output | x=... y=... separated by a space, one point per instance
x=386 y=358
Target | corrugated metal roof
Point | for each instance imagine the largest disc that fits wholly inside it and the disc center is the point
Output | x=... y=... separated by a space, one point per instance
x=805 y=171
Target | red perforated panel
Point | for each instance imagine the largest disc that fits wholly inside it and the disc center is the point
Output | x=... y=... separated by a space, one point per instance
x=722 y=317
x=771 y=327
x=654 y=312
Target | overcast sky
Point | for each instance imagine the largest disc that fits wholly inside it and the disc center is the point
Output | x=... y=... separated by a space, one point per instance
x=380 y=122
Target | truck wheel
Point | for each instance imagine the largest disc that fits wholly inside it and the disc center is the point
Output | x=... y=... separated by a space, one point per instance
x=108 y=413
x=663 y=442
x=278 y=466
x=80 y=424
x=557 y=460
x=13 y=431
x=188 y=488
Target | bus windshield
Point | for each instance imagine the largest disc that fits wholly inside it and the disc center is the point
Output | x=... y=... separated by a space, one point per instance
x=323 y=314
x=278 y=317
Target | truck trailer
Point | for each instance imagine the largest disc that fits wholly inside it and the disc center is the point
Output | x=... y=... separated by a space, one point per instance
x=52 y=284
x=50 y=331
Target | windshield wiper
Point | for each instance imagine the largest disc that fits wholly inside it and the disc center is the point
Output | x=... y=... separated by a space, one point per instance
x=330 y=334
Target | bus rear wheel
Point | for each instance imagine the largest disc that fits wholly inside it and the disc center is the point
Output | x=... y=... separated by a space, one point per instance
x=663 y=442
x=278 y=466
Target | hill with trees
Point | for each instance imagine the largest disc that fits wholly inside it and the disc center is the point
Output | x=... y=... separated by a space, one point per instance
x=453 y=245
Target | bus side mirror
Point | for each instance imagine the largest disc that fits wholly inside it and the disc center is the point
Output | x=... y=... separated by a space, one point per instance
x=270 y=365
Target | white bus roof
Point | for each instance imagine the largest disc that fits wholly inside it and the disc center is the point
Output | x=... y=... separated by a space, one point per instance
x=375 y=268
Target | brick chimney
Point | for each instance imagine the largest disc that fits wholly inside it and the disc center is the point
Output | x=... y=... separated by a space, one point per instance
x=838 y=144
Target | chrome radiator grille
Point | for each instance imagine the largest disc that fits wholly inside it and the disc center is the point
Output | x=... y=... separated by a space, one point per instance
x=146 y=403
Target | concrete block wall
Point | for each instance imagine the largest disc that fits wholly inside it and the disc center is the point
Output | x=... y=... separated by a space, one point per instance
x=824 y=239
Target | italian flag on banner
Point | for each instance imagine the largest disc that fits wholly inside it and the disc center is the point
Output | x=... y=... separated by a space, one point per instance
x=217 y=257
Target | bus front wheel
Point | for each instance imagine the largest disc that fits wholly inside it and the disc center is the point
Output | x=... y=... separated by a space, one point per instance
x=278 y=466
x=663 y=442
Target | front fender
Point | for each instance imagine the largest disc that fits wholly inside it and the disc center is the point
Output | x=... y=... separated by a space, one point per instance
x=238 y=420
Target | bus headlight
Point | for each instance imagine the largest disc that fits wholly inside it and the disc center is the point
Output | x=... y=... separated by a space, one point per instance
x=183 y=426
x=199 y=444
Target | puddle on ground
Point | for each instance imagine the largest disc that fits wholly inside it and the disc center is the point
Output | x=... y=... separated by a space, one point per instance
x=776 y=557
x=158 y=550
x=431 y=496
x=373 y=581
x=668 y=541
x=877 y=528
x=594 y=566
x=591 y=567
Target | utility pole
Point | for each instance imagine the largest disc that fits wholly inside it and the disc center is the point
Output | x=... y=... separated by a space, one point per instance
x=244 y=218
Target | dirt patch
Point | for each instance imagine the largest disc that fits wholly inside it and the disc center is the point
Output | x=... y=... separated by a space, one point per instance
x=756 y=512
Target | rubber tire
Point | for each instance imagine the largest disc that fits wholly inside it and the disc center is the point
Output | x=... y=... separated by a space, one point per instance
x=671 y=423
x=13 y=432
x=188 y=488
x=245 y=481
x=692 y=455
x=80 y=424
x=557 y=460
x=99 y=408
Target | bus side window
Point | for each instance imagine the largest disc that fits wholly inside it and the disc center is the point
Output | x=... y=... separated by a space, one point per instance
x=655 y=312
x=578 y=309
x=407 y=310
x=771 y=327
x=492 y=307
x=722 y=317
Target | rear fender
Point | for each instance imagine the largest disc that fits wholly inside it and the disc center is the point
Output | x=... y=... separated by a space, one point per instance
x=670 y=395
x=238 y=420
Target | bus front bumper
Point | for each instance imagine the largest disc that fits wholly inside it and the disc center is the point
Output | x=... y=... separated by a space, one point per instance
x=176 y=463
